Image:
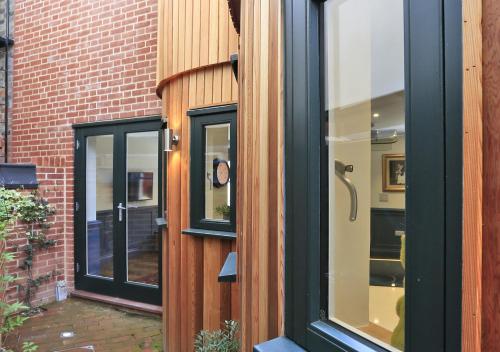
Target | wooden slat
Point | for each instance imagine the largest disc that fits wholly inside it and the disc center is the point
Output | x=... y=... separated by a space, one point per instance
x=217 y=84
x=173 y=308
x=204 y=32
x=490 y=330
x=195 y=58
x=175 y=36
x=213 y=38
x=260 y=168
x=473 y=172
x=224 y=27
x=209 y=79
x=189 y=28
x=181 y=37
x=227 y=76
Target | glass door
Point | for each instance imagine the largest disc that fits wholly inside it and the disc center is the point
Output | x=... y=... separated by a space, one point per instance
x=118 y=200
x=364 y=161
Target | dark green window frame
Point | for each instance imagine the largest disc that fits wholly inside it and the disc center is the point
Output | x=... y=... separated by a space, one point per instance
x=200 y=118
x=433 y=57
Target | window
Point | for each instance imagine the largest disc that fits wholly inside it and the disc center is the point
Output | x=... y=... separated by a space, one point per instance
x=364 y=169
x=213 y=168
x=372 y=213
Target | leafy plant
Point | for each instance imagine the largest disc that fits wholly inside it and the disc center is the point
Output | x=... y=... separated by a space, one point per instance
x=224 y=340
x=10 y=318
x=34 y=212
x=29 y=347
x=224 y=210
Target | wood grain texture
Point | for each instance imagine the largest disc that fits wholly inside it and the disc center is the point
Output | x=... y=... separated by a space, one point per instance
x=193 y=297
x=491 y=182
x=260 y=169
x=193 y=71
x=473 y=176
x=193 y=33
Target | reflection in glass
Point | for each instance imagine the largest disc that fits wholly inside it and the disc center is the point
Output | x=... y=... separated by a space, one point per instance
x=99 y=205
x=217 y=166
x=142 y=208
x=364 y=98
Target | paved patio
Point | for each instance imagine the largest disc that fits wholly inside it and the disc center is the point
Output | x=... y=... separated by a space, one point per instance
x=97 y=327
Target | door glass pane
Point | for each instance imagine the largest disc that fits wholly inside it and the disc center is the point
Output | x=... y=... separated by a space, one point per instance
x=365 y=163
x=99 y=205
x=217 y=170
x=142 y=208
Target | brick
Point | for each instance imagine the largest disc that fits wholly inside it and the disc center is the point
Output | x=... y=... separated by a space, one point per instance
x=75 y=62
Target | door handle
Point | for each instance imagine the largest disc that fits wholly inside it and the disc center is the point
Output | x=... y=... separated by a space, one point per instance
x=340 y=170
x=120 y=208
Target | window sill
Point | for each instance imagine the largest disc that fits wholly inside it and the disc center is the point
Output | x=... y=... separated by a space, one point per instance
x=222 y=235
x=278 y=345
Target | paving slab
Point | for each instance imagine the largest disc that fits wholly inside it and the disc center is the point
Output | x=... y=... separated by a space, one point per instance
x=91 y=327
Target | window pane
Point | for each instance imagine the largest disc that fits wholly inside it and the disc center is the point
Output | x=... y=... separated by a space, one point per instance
x=217 y=170
x=365 y=163
x=142 y=208
x=99 y=209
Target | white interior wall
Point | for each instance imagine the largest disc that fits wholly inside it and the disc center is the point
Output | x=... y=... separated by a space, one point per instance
x=142 y=156
x=364 y=61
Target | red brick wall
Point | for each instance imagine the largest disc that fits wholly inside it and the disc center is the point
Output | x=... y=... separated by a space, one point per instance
x=76 y=61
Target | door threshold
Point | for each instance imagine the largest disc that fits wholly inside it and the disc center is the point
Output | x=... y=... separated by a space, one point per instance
x=119 y=302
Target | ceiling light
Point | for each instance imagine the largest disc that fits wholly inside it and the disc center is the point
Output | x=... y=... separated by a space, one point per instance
x=376 y=115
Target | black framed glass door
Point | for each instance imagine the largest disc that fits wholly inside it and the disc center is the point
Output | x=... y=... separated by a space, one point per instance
x=117 y=201
x=373 y=115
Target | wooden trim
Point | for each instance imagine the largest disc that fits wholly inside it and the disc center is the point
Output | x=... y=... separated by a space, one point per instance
x=489 y=275
x=165 y=81
x=473 y=175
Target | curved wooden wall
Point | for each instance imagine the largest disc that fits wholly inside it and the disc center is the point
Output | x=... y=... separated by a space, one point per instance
x=193 y=34
x=195 y=41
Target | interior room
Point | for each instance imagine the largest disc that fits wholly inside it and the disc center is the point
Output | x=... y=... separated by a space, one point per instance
x=365 y=150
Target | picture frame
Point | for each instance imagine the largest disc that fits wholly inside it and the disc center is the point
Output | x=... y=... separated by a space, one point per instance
x=393 y=173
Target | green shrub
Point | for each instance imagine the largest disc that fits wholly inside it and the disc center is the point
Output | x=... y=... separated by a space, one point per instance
x=33 y=211
x=224 y=340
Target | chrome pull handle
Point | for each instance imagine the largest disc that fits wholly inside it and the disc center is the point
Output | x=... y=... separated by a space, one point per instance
x=120 y=208
x=340 y=170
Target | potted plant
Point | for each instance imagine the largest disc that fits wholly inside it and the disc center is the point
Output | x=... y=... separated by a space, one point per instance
x=225 y=211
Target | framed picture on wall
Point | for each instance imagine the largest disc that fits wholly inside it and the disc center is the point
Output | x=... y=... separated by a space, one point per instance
x=393 y=173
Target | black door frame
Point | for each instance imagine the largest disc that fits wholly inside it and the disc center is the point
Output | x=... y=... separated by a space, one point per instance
x=433 y=54
x=117 y=287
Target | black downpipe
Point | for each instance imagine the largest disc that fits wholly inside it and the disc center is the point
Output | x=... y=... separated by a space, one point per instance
x=6 y=83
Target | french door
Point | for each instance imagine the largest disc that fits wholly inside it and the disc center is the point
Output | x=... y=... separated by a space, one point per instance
x=117 y=202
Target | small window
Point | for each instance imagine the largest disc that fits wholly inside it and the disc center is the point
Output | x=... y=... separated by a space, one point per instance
x=213 y=168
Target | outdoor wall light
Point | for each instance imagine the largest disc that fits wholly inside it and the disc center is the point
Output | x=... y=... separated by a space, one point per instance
x=171 y=139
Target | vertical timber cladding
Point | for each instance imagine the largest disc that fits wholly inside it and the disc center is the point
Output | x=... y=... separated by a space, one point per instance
x=491 y=184
x=195 y=41
x=473 y=173
x=260 y=201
